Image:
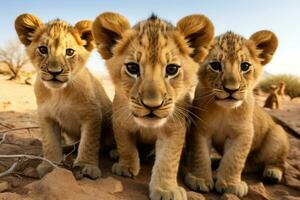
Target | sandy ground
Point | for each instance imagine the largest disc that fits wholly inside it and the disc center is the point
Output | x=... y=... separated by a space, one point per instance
x=17 y=110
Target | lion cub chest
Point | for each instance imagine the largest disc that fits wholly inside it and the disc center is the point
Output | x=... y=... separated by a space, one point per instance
x=63 y=112
x=221 y=126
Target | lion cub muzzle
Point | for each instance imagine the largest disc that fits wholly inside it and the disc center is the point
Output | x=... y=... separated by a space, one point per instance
x=154 y=106
x=55 y=76
x=231 y=94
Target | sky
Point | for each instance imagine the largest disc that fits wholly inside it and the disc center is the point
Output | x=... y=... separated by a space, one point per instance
x=241 y=16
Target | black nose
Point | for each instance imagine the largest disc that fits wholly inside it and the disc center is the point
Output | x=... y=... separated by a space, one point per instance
x=230 y=91
x=151 y=106
x=55 y=72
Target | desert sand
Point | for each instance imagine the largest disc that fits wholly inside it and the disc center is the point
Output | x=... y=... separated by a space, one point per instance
x=17 y=110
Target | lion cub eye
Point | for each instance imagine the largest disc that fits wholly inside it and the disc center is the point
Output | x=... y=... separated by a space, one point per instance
x=43 y=50
x=70 y=52
x=172 y=69
x=216 y=66
x=245 y=67
x=132 y=69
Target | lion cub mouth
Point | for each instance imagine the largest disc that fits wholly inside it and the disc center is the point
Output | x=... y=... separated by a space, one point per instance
x=228 y=102
x=150 y=120
x=151 y=116
x=55 y=83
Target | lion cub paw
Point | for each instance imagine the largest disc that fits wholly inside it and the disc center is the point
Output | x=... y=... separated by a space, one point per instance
x=172 y=193
x=43 y=169
x=273 y=174
x=125 y=170
x=88 y=170
x=199 y=184
x=239 y=189
x=113 y=154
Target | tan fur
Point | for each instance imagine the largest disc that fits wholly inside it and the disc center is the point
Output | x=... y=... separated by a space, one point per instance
x=236 y=127
x=75 y=102
x=152 y=44
x=272 y=100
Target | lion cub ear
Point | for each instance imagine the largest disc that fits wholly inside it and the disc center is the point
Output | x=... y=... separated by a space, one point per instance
x=84 y=28
x=266 y=43
x=199 y=33
x=26 y=25
x=107 y=30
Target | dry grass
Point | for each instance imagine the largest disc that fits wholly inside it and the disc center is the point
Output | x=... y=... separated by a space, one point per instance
x=292 y=84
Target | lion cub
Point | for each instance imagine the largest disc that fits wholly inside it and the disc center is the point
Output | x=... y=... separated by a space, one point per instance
x=272 y=100
x=153 y=66
x=69 y=97
x=231 y=121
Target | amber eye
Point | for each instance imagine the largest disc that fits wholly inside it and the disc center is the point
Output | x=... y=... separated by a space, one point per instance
x=172 y=69
x=216 y=66
x=43 y=50
x=133 y=69
x=245 y=67
x=70 y=52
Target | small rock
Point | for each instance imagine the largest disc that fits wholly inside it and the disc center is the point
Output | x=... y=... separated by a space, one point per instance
x=291 y=177
x=15 y=184
x=12 y=196
x=31 y=172
x=258 y=192
x=195 y=196
x=227 y=196
x=35 y=142
x=114 y=185
x=61 y=184
x=4 y=186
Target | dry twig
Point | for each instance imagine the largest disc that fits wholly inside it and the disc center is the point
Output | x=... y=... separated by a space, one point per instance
x=55 y=165
x=3 y=138
x=4 y=125
x=16 y=129
x=9 y=171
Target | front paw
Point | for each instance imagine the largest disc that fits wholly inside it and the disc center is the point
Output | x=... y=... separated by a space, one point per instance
x=125 y=170
x=239 y=189
x=88 y=170
x=199 y=184
x=273 y=174
x=171 y=193
x=113 y=154
x=43 y=169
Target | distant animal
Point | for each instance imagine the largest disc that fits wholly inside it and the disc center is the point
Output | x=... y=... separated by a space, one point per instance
x=272 y=100
x=281 y=89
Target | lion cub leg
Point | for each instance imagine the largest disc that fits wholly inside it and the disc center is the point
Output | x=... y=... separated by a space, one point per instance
x=129 y=162
x=88 y=150
x=199 y=178
x=229 y=173
x=273 y=153
x=52 y=150
x=163 y=184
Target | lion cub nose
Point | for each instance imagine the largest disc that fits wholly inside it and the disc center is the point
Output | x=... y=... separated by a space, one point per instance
x=230 y=90
x=152 y=104
x=54 y=71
